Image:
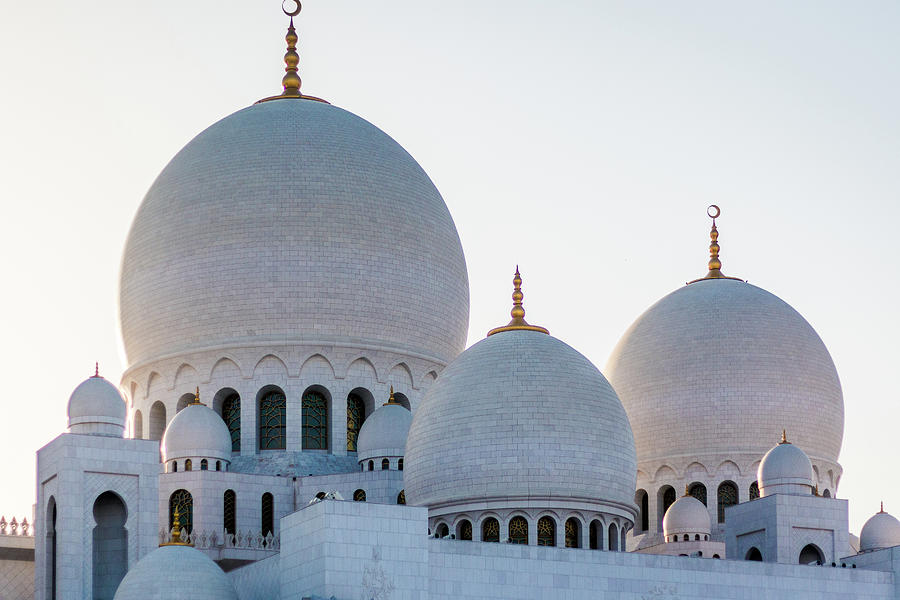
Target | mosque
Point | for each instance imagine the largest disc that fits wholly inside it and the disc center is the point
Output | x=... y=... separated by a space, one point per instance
x=299 y=417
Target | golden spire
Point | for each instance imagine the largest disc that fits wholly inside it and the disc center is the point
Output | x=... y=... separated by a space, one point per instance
x=881 y=510
x=96 y=369
x=715 y=264
x=391 y=399
x=176 y=531
x=197 y=397
x=291 y=80
x=518 y=312
x=783 y=437
x=687 y=490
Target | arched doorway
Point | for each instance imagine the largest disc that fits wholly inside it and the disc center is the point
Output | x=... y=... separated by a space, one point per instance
x=50 y=555
x=811 y=555
x=753 y=554
x=110 y=545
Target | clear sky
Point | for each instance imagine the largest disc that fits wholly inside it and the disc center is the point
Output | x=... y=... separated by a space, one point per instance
x=581 y=139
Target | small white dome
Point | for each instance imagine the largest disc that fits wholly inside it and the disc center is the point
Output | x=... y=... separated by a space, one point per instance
x=384 y=433
x=785 y=469
x=167 y=572
x=96 y=407
x=882 y=530
x=196 y=431
x=686 y=515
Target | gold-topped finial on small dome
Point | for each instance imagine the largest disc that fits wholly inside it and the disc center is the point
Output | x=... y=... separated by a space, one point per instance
x=391 y=399
x=97 y=369
x=881 y=510
x=176 y=531
x=784 y=437
x=715 y=263
x=687 y=490
x=196 y=399
x=291 y=80
x=518 y=312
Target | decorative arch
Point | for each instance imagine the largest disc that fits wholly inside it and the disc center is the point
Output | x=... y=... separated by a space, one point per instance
x=185 y=400
x=464 y=530
x=272 y=365
x=442 y=530
x=315 y=408
x=728 y=469
x=696 y=470
x=317 y=367
x=726 y=495
x=642 y=499
x=137 y=425
x=753 y=554
x=665 y=497
x=401 y=376
x=183 y=501
x=226 y=368
x=385 y=464
x=271 y=405
x=490 y=529
x=110 y=544
x=361 y=369
x=359 y=495
x=754 y=490
x=595 y=534
x=357 y=401
x=573 y=533
x=186 y=375
x=546 y=531
x=518 y=530
x=402 y=400
x=154 y=383
x=157 y=421
x=227 y=402
x=811 y=555
x=665 y=472
x=698 y=491
x=613 y=544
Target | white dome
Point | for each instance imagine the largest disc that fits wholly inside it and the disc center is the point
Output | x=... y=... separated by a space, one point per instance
x=169 y=571
x=96 y=407
x=520 y=416
x=882 y=530
x=686 y=515
x=785 y=469
x=715 y=367
x=196 y=432
x=384 y=432
x=293 y=221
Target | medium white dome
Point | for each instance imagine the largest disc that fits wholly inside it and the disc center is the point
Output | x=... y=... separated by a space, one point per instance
x=168 y=572
x=293 y=221
x=686 y=515
x=384 y=433
x=196 y=432
x=785 y=469
x=96 y=407
x=520 y=417
x=717 y=366
x=882 y=530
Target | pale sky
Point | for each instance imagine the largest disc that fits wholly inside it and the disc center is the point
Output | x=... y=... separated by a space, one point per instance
x=582 y=140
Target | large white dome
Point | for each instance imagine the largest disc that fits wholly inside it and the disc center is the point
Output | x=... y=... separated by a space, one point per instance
x=173 y=573
x=293 y=221
x=717 y=368
x=882 y=530
x=96 y=407
x=520 y=417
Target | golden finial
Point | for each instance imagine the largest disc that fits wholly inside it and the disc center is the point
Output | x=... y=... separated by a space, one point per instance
x=291 y=80
x=96 y=369
x=518 y=312
x=881 y=510
x=784 y=437
x=687 y=490
x=816 y=490
x=715 y=264
x=391 y=399
x=197 y=396
x=176 y=531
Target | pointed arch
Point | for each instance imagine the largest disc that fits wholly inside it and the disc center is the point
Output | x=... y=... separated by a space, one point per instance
x=400 y=376
x=665 y=472
x=186 y=375
x=137 y=425
x=362 y=370
x=226 y=369
x=272 y=365
x=155 y=384
x=110 y=544
x=317 y=367
x=728 y=469
x=157 y=421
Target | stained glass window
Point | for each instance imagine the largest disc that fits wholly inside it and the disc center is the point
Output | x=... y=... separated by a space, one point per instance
x=272 y=409
x=359 y=496
x=518 y=530
x=754 y=490
x=356 y=414
x=315 y=421
x=267 y=514
x=572 y=532
x=184 y=502
x=490 y=530
x=465 y=531
x=229 y=502
x=231 y=414
x=188 y=465
x=546 y=532
x=401 y=497
x=668 y=500
x=728 y=496
x=204 y=465
x=698 y=491
x=385 y=464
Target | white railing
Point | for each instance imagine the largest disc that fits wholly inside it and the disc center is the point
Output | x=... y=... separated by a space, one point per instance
x=18 y=528
x=214 y=539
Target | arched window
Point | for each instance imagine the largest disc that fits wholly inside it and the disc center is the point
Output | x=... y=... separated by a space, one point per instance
x=267 y=514
x=490 y=530
x=727 y=496
x=642 y=499
x=229 y=506
x=371 y=465
x=464 y=530
x=685 y=537
x=753 y=554
x=385 y=464
x=204 y=465
x=826 y=494
x=696 y=537
x=174 y=466
x=272 y=423
x=184 y=503
x=110 y=542
x=698 y=491
x=546 y=531
x=231 y=414
x=50 y=555
x=754 y=490
x=137 y=426
x=218 y=465
x=665 y=498
x=315 y=421
x=518 y=530
x=442 y=530
x=359 y=496
x=400 y=468
x=157 y=420
x=573 y=533
x=188 y=465
x=613 y=537
x=595 y=535
x=356 y=414
x=401 y=497
x=811 y=555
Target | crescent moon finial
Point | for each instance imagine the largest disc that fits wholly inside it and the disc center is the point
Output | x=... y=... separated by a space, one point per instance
x=291 y=13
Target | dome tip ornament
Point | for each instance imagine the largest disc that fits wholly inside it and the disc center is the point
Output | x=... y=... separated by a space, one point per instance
x=783 y=437
x=196 y=399
x=715 y=263
x=96 y=369
x=291 y=81
x=517 y=313
x=391 y=399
